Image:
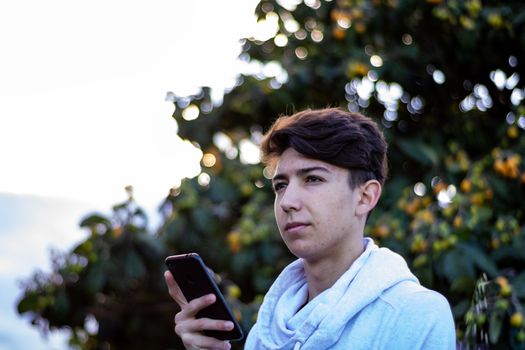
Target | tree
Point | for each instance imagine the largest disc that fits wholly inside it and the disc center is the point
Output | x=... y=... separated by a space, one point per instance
x=442 y=78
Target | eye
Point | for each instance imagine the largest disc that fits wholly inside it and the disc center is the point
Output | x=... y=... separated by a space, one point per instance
x=278 y=186
x=313 y=178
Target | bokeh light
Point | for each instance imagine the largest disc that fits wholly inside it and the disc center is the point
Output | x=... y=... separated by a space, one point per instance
x=301 y=53
x=280 y=40
x=376 y=61
x=209 y=160
x=344 y=22
x=267 y=27
x=315 y=4
x=268 y=172
x=249 y=152
x=420 y=189
x=204 y=179
x=407 y=39
x=438 y=76
x=300 y=34
x=446 y=196
x=290 y=24
x=317 y=35
x=513 y=61
x=191 y=112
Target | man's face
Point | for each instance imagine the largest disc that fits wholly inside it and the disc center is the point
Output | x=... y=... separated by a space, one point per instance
x=315 y=208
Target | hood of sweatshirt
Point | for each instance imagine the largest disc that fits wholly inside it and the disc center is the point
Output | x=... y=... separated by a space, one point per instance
x=319 y=324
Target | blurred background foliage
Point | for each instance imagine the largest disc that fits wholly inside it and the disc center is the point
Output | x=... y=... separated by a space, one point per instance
x=443 y=79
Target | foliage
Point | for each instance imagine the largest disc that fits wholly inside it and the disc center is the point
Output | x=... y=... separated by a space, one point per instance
x=441 y=77
x=104 y=289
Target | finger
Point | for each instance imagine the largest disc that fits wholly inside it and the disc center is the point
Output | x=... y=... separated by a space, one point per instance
x=196 y=325
x=193 y=307
x=174 y=290
x=201 y=341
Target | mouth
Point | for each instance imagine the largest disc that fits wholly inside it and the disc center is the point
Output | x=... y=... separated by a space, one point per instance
x=295 y=226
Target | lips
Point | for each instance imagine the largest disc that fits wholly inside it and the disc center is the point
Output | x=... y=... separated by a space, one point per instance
x=294 y=226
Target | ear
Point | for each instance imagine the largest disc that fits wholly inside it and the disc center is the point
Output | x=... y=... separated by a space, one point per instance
x=370 y=193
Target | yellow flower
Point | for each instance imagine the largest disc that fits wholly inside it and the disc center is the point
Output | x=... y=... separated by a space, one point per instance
x=508 y=167
x=458 y=222
x=360 y=27
x=512 y=132
x=467 y=22
x=506 y=291
x=473 y=7
x=339 y=33
x=477 y=199
x=117 y=231
x=466 y=185
x=233 y=291
x=419 y=244
x=426 y=216
x=502 y=281
x=516 y=320
x=495 y=20
x=234 y=241
x=495 y=243
x=412 y=207
x=381 y=231
x=357 y=69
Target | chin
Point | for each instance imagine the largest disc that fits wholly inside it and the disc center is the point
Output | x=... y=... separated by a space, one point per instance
x=302 y=253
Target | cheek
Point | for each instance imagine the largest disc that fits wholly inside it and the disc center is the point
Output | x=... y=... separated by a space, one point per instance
x=337 y=210
x=278 y=213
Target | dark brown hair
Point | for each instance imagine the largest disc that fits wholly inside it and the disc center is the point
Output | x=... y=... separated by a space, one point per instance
x=347 y=140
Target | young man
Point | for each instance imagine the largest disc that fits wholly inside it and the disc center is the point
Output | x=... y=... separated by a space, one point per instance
x=343 y=292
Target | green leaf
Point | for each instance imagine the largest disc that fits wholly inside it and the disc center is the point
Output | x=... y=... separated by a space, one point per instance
x=95 y=219
x=28 y=303
x=519 y=285
x=463 y=284
x=203 y=219
x=500 y=187
x=460 y=308
x=95 y=278
x=223 y=191
x=62 y=305
x=513 y=252
x=454 y=265
x=134 y=266
x=481 y=260
x=495 y=325
x=419 y=151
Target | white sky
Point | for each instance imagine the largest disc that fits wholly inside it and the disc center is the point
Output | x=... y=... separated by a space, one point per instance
x=82 y=115
x=82 y=87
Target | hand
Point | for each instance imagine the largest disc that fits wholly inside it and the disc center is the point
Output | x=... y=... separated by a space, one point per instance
x=189 y=328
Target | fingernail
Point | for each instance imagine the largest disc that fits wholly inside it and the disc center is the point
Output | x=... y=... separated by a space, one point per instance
x=227 y=345
x=228 y=325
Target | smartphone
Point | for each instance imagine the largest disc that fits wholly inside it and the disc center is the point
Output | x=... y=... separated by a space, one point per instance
x=194 y=281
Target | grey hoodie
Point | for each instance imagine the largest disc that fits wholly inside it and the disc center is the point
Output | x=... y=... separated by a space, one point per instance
x=376 y=304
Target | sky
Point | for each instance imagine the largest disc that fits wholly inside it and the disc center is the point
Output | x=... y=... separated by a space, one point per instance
x=83 y=114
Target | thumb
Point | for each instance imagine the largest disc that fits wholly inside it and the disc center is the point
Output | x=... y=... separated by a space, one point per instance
x=174 y=290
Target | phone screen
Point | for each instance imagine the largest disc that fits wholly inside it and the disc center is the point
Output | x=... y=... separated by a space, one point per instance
x=194 y=281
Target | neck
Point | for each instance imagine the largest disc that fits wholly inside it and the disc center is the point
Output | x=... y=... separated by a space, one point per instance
x=322 y=274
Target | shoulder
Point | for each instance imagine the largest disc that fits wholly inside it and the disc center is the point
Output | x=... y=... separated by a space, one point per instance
x=410 y=299
x=420 y=316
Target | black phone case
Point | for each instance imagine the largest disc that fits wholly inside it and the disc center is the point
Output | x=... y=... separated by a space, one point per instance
x=194 y=281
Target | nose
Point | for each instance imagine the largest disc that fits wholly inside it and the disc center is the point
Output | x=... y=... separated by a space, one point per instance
x=290 y=199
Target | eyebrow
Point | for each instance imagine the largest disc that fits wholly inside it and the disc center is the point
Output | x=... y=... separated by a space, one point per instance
x=301 y=172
